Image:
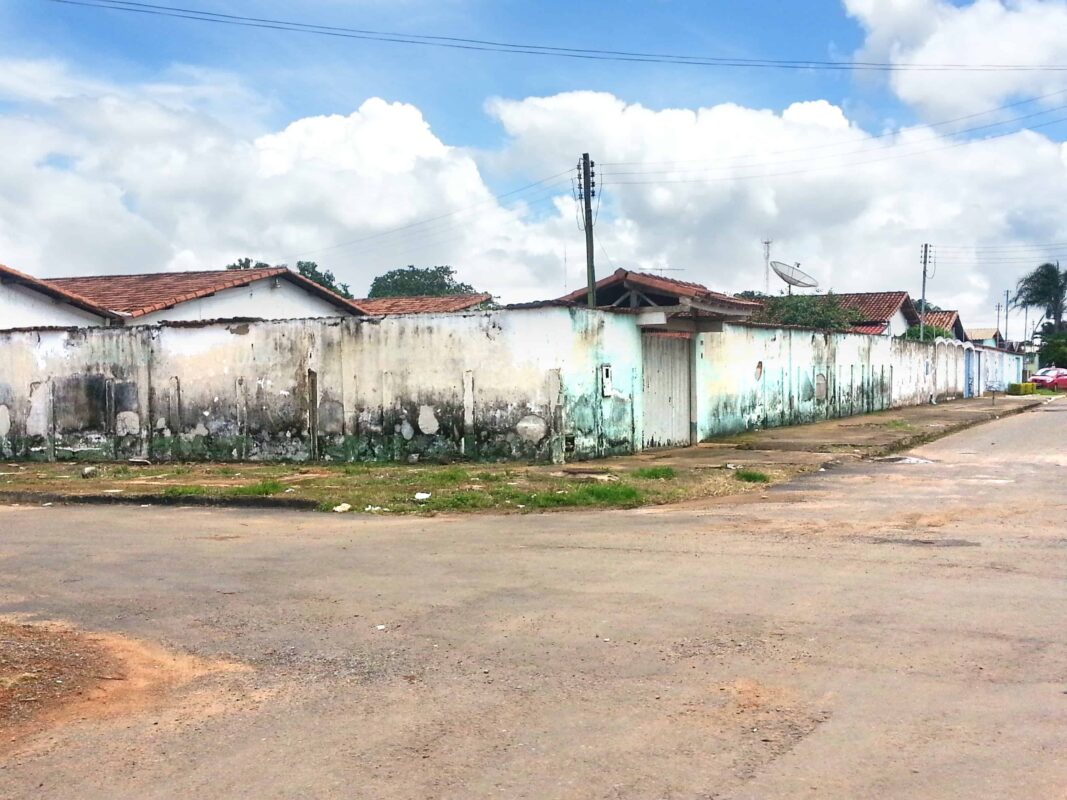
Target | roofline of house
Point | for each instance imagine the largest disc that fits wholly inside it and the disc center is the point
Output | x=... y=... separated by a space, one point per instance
x=9 y=275
x=240 y=278
x=695 y=291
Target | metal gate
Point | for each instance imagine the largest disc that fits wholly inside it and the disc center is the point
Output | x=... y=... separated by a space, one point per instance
x=968 y=373
x=665 y=365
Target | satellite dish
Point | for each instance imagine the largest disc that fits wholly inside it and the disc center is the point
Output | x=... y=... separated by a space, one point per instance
x=793 y=275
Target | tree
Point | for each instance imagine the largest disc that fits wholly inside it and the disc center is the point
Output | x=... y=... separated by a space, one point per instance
x=919 y=306
x=931 y=333
x=1054 y=351
x=805 y=310
x=247 y=263
x=325 y=278
x=1046 y=288
x=411 y=281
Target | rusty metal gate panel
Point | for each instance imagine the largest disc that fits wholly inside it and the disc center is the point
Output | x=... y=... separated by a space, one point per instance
x=665 y=366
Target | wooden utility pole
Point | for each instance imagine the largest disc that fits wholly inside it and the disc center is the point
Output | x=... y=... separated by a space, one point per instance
x=1007 y=305
x=922 y=316
x=587 y=184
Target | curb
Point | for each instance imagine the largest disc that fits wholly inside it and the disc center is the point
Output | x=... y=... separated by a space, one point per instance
x=37 y=498
x=925 y=438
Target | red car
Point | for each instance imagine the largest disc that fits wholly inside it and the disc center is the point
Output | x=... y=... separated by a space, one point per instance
x=1054 y=378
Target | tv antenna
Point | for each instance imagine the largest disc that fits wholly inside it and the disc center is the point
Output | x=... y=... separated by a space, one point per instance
x=793 y=275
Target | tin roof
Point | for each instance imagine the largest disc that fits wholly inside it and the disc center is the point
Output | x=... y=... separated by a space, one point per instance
x=981 y=334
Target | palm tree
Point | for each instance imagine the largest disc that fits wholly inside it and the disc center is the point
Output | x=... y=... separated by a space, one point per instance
x=1045 y=287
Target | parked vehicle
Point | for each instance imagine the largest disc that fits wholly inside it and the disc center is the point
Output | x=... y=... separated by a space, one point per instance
x=1054 y=378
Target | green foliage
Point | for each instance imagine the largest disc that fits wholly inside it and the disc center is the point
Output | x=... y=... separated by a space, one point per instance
x=184 y=491
x=308 y=269
x=263 y=488
x=323 y=277
x=931 y=333
x=1045 y=287
x=595 y=494
x=807 y=311
x=655 y=473
x=928 y=306
x=1054 y=350
x=752 y=476
x=411 y=281
x=1021 y=388
x=247 y=263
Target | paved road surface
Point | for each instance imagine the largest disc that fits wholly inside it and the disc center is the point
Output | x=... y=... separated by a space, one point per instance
x=881 y=631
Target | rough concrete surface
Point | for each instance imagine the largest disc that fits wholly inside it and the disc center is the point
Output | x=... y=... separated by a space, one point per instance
x=889 y=630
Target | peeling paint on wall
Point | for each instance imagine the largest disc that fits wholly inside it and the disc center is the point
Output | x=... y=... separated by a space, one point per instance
x=536 y=384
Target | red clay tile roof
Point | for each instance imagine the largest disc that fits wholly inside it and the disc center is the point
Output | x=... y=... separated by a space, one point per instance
x=421 y=304
x=874 y=330
x=137 y=295
x=879 y=306
x=943 y=319
x=8 y=275
x=668 y=286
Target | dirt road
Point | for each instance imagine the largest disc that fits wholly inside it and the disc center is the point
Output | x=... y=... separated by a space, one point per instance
x=883 y=630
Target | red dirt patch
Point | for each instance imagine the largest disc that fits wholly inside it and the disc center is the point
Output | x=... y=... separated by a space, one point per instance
x=52 y=674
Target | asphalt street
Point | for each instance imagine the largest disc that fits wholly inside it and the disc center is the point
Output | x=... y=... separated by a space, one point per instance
x=885 y=630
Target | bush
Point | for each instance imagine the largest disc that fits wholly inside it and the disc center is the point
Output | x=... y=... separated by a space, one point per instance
x=655 y=473
x=752 y=476
x=263 y=488
x=1022 y=388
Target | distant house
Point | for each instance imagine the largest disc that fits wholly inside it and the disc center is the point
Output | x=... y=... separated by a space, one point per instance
x=950 y=321
x=627 y=289
x=881 y=313
x=988 y=337
x=421 y=304
x=163 y=297
x=27 y=302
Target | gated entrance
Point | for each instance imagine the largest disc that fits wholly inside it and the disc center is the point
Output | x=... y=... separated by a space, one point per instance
x=665 y=364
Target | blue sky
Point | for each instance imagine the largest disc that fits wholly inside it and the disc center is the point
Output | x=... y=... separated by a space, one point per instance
x=195 y=143
x=306 y=75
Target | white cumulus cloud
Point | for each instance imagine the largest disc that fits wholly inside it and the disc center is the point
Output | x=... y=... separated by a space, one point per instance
x=180 y=173
x=1023 y=32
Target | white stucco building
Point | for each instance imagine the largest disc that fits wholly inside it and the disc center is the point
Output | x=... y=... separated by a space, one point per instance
x=26 y=302
x=99 y=300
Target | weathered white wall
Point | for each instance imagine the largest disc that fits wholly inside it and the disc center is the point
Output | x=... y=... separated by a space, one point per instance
x=260 y=299
x=999 y=368
x=898 y=324
x=488 y=384
x=750 y=376
x=523 y=383
x=22 y=307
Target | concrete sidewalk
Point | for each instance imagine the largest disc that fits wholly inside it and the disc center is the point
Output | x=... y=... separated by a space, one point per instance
x=864 y=436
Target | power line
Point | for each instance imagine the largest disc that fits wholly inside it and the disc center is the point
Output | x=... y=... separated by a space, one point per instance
x=832 y=167
x=1002 y=247
x=430 y=220
x=812 y=148
x=427 y=235
x=463 y=43
x=861 y=151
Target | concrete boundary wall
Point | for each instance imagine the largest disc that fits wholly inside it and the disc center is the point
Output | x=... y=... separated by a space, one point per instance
x=516 y=384
x=544 y=383
x=755 y=376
